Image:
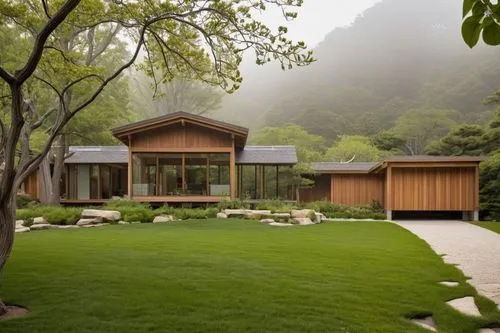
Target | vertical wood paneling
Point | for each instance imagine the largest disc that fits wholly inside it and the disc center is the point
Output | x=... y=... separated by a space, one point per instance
x=357 y=189
x=32 y=185
x=433 y=189
x=179 y=136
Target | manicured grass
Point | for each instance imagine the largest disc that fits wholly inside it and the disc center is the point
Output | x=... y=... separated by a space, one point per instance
x=493 y=226
x=231 y=276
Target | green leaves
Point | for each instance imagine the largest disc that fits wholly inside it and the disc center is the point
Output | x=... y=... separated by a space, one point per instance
x=491 y=35
x=481 y=16
x=471 y=31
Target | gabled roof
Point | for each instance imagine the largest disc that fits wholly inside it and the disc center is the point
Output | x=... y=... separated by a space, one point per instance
x=333 y=167
x=285 y=155
x=97 y=155
x=122 y=132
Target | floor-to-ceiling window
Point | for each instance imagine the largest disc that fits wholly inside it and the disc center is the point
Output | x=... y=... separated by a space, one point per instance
x=257 y=182
x=188 y=174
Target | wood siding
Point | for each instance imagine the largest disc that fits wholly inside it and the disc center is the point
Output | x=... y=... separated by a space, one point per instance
x=433 y=189
x=32 y=186
x=181 y=136
x=357 y=189
x=320 y=191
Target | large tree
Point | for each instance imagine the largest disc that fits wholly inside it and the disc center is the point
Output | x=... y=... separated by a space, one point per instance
x=176 y=36
x=354 y=148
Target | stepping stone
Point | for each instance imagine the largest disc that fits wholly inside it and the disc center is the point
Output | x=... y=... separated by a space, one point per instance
x=449 y=283
x=489 y=330
x=427 y=323
x=466 y=306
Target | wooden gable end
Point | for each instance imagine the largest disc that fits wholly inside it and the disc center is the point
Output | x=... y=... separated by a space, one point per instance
x=181 y=135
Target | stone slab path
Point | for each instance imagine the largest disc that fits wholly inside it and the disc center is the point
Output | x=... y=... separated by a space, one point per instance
x=475 y=250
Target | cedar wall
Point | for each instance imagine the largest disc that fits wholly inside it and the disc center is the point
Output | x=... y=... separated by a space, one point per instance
x=178 y=136
x=357 y=189
x=32 y=186
x=433 y=189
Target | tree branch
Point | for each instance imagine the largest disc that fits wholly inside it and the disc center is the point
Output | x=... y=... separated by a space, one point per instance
x=36 y=54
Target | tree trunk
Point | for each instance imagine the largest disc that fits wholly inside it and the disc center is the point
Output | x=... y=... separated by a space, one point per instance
x=7 y=229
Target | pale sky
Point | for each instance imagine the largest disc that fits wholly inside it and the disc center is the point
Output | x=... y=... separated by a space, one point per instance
x=319 y=17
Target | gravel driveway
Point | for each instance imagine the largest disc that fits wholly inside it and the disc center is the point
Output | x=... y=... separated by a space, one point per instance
x=475 y=250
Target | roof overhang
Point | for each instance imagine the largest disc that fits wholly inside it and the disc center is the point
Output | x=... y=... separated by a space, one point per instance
x=123 y=133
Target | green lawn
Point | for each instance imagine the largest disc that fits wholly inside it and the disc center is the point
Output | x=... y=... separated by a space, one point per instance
x=231 y=276
x=493 y=226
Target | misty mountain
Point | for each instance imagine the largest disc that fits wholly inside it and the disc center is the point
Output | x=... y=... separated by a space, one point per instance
x=399 y=54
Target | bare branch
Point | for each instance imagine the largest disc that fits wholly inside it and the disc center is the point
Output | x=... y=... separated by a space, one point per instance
x=6 y=76
x=80 y=80
x=49 y=84
x=42 y=119
x=46 y=8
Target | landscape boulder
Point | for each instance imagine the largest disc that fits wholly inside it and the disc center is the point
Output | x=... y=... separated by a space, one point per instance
x=221 y=216
x=277 y=224
x=23 y=229
x=281 y=215
x=123 y=222
x=107 y=215
x=19 y=224
x=163 y=219
x=267 y=221
x=320 y=217
x=95 y=225
x=46 y=226
x=40 y=220
x=303 y=221
x=302 y=213
x=87 y=221
x=234 y=212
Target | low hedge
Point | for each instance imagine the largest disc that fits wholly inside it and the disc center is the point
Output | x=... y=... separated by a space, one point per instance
x=53 y=214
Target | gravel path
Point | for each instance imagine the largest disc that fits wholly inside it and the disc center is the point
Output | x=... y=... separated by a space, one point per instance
x=475 y=250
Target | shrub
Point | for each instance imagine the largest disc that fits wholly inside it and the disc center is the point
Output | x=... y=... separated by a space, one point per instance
x=22 y=200
x=53 y=214
x=275 y=206
x=232 y=204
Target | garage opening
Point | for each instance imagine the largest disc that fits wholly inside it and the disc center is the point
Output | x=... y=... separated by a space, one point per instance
x=427 y=215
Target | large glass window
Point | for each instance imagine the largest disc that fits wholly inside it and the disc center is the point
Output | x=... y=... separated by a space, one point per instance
x=144 y=174
x=170 y=174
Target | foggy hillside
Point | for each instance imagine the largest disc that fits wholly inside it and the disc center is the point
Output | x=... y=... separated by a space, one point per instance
x=400 y=54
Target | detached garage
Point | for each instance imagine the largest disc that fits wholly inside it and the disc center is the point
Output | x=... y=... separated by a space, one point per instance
x=407 y=186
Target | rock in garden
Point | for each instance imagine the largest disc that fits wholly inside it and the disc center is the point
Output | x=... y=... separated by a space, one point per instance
x=221 y=216
x=234 y=212
x=95 y=225
x=320 y=217
x=40 y=220
x=108 y=215
x=46 y=226
x=303 y=221
x=67 y=226
x=123 y=222
x=19 y=224
x=267 y=221
x=281 y=215
x=277 y=224
x=303 y=213
x=87 y=221
x=23 y=229
x=466 y=305
x=251 y=212
x=163 y=219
